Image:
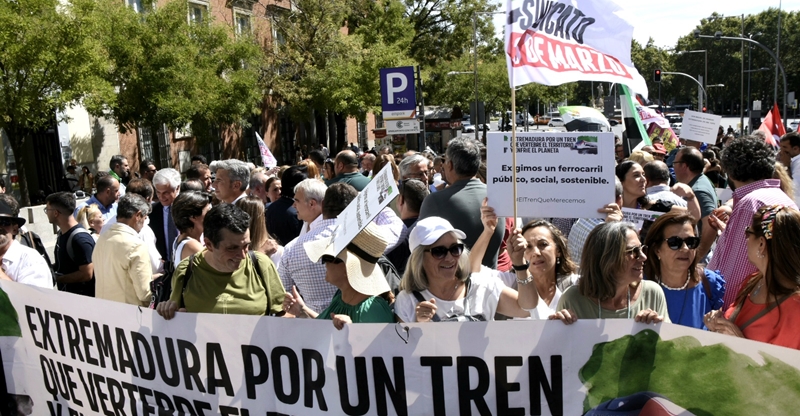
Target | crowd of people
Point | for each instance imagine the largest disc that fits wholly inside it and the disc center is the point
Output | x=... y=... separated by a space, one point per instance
x=228 y=237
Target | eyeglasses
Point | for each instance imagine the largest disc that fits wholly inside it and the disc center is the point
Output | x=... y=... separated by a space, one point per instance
x=675 y=243
x=749 y=231
x=331 y=259
x=637 y=252
x=440 y=252
x=677 y=161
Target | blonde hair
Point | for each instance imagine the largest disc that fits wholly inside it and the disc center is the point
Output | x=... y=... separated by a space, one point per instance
x=640 y=157
x=253 y=206
x=415 y=278
x=312 y=169
x=86 y=213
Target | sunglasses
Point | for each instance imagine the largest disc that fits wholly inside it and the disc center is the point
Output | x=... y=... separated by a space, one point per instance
x=637 y=252
x=331 y=259
x=440 y=252
x=675 y=243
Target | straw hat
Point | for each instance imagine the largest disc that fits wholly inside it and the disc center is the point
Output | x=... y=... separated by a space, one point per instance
x=360 y=258
x=427 y=231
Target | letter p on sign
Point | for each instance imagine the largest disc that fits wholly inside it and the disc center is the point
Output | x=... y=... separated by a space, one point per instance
x=398 y=96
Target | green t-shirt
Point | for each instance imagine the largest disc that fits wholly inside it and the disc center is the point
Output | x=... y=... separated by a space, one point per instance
x=242 y=292
x=374 y=309
x=651 y=297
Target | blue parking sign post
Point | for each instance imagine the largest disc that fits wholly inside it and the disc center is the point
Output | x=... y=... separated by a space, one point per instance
x=398 y=93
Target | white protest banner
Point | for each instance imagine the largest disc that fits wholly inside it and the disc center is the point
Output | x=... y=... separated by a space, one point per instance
x=724 y=194
x=377 y=195
x=700 y=127
x=559 y=174
x=73 y=355
x=639 y=216
x=555 y=42
x=267 y=158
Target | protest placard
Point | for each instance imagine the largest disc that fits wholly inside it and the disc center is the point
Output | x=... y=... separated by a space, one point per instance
x=72 y=355
x=639 y=216
x=559 y=174
x=700 y=127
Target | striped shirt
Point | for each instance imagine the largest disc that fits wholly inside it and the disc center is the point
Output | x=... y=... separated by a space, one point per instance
x=297 y=269
x=730 y=257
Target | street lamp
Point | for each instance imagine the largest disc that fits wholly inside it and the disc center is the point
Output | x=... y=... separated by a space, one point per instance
x=693 y=79
x=718 y=35
x=705 y=72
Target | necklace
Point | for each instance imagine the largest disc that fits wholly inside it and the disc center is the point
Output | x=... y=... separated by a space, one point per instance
x=758 y=288
x=685 y=285
x=627 y=308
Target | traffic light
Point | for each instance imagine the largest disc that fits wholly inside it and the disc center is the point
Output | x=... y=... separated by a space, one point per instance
x=657 y=75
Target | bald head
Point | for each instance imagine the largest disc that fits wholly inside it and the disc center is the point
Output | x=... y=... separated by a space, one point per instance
x=346 y=162
x=656 y=173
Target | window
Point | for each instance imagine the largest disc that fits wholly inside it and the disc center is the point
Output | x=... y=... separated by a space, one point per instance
x=241 y=22
x=197 y=12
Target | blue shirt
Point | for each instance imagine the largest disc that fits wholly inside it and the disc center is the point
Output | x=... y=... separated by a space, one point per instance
x=687 y=307
x=107 y=211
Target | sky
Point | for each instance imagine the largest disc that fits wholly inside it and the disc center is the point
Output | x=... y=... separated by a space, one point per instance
x=666 y=21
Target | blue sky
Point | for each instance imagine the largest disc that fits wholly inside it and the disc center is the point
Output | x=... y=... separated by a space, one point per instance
x=666 y=21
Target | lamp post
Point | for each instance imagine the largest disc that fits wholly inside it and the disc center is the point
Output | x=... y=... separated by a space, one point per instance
x=718 y=36
x=705 y=71
x=693 y=79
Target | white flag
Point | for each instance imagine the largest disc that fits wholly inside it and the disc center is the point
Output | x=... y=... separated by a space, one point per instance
x=267 y=158
x=552 y=42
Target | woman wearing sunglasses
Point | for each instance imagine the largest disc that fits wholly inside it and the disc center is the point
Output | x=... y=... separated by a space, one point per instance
x=546 y=259
x=691 y=291
x=438 y=284
x=363 y=295
x=767 y=308
x=611 y=284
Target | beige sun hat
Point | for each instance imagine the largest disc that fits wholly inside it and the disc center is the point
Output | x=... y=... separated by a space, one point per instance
x=360 y=258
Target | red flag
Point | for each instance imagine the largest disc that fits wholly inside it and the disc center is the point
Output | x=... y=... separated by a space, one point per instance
x=773 y=126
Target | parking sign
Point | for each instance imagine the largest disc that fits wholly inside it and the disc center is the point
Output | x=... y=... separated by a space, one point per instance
x=398 y=95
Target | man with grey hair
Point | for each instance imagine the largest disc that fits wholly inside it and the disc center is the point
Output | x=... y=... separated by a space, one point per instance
x=256 y=188
x=121 y=259
x=308 y=196
x=367 y=162
x=119 y=171
x=167 y=183
x=460 y=203
x=414 y=167
x=232 y=178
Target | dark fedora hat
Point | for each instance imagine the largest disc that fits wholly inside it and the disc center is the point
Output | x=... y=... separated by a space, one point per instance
x=7 y=211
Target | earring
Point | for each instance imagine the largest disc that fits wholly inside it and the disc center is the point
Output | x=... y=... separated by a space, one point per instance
x=760 y=255
x=558 y=261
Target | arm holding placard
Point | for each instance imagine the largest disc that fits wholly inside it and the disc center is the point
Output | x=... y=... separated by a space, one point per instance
x=517 y=303
x=489 y=220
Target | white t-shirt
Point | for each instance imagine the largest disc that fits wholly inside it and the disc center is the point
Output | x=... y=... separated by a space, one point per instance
x=543 y=310
x=480 y=302
x=25 y=265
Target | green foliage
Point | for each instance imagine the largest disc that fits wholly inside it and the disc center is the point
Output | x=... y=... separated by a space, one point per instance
x=50 y=57
x=172 y=72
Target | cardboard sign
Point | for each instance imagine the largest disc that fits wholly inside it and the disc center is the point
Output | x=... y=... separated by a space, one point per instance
x=639 y=216
x=559 y=174
x=700 y=127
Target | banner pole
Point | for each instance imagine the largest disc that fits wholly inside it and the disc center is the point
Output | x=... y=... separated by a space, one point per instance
x=514 y=146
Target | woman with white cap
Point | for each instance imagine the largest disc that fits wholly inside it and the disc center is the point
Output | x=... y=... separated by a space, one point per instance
x=363 y=295
x=438 y=284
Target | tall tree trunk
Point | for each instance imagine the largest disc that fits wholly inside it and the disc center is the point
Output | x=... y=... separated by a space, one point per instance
x=341 y=136
x=17 y=137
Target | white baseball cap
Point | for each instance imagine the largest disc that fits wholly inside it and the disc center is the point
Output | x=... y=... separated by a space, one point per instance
x=430 y=229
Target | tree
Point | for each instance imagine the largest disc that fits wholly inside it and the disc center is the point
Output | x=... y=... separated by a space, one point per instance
x=175 y=73
x=50 y=57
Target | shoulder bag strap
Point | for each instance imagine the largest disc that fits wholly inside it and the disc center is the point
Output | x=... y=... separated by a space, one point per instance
x=758 y=315
x=435 y=317
x=186 y=277
x=254 y=260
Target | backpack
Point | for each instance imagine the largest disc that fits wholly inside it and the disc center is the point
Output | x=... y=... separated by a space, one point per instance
x=32 y=240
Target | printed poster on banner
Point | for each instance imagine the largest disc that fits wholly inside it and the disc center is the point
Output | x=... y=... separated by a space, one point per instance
x=65 y=354
x=377 y=195
x=700 y=127
x=559 y=174
x=639 y=216
x=554 y=42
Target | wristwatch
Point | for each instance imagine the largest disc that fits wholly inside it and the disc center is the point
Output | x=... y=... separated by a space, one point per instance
x=521 y=267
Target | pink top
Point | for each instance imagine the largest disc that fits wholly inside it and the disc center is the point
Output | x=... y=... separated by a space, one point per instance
x=730 y=257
